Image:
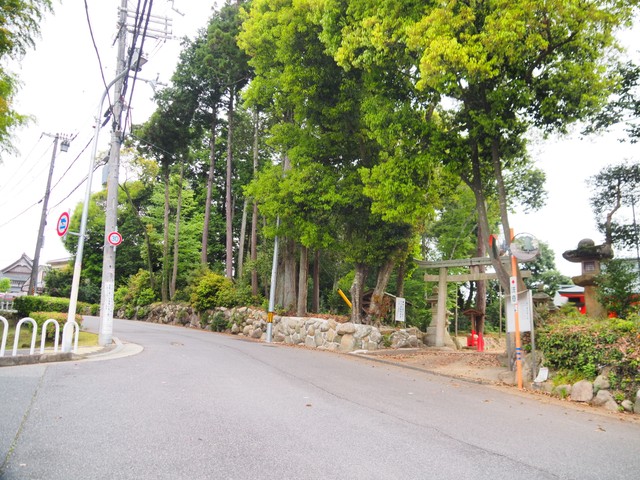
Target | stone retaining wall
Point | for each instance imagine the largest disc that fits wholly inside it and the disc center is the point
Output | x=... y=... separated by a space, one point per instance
x=322 y=333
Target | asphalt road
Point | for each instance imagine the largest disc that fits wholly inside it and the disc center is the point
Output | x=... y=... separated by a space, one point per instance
x=199 y=405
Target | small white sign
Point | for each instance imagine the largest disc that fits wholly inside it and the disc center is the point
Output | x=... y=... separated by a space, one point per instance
x=525 y=312
x=400 y=309
x=513 y=289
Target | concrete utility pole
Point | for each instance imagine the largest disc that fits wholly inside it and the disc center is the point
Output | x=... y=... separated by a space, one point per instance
x=33 y=281
x=105 y=332
x=158 y=28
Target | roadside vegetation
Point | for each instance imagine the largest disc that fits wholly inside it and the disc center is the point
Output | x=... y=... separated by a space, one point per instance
x=363 y=136
x=577 y=347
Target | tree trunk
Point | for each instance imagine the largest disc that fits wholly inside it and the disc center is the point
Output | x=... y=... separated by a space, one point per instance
x=165 y=247
x=228 y=203
x=402 y=270
x=254 y=218
x=207 y=206
x=356 y=291
x=289 y=301
x=504 y=212
x=301 y=311
x=376 y=307
x=176 y=238
x=243 y=230
x=315 y=301
x=475 y=183
x=502 y=191
x=147 y=240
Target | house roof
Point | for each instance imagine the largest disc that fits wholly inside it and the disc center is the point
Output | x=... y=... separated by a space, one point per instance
x=570 y=289
x=22 y=265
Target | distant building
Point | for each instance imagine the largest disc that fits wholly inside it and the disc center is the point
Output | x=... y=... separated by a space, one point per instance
x=570 y=294
x=19 y=273
x=60 y=263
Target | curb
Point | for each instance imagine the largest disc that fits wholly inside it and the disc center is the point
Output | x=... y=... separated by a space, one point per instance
x=18 y=360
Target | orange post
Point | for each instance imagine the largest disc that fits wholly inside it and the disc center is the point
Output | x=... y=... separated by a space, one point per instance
x=516 y=314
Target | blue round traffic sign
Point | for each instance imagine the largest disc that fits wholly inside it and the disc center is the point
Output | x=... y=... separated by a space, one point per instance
x=63 y=224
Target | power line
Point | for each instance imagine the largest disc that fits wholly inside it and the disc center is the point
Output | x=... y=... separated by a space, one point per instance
x=95 y=47
x=21 y=213
x=17 y=184
x=84 y=179
x=72 y=163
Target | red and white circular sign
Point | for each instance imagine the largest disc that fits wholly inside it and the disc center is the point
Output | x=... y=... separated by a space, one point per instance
x=114 y=238
x=63 y=224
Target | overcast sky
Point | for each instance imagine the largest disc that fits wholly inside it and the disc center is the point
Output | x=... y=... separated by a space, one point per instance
x=62 y=86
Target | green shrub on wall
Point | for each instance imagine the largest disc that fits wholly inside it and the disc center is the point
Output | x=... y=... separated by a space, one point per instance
x=214 y=290
x=137 y=293
x=586 y=346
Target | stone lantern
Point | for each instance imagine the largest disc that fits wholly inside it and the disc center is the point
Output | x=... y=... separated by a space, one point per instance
x=589 y=255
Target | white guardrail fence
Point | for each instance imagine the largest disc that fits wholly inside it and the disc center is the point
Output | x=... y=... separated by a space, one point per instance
x=6 y=306
x=34 y=335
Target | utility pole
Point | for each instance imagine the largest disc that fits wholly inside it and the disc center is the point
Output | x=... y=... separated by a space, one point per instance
x=33 y=282
x=105 y=332
x=157 y=28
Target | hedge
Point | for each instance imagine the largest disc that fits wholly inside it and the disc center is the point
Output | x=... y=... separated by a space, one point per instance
x=26 y=305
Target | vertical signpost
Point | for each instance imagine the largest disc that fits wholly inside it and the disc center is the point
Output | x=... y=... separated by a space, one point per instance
x=523 y=247
x=513 y=290
x=400 y=309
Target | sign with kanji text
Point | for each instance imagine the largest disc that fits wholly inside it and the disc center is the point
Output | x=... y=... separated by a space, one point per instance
x=400 y=309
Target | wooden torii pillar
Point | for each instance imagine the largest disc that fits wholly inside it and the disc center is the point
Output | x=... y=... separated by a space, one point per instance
x=443 y=278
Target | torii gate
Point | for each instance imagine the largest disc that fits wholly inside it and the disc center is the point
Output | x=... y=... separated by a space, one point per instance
x=443 y=278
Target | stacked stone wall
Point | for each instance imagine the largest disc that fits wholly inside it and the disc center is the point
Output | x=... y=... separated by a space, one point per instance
x=321 y=333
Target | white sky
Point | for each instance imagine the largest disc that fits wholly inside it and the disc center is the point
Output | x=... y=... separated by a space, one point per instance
x=62 y=86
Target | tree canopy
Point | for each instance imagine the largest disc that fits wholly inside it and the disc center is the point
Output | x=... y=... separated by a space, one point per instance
x=361 y=129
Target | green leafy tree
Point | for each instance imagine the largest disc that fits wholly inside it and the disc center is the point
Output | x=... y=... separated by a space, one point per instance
x=19 y=25
x=5 y=285
x=624 y=104
x=166 y=137
x=618 y=288
x=320 y=130
x=494 y=69
x=615 y=189
x=132 y=251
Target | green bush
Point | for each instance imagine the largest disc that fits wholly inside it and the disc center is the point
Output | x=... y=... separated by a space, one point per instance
x=137 y=293
x=616 y=284
x=211 y=290
x=218 y=322
x=586 y=346
x=25 y=305
x=58 y=284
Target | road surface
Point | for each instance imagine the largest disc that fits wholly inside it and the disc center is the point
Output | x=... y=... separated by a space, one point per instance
x=200 y=405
